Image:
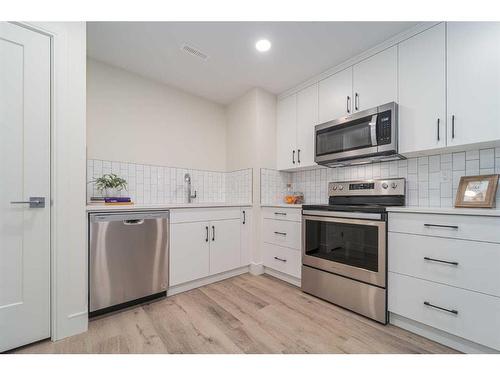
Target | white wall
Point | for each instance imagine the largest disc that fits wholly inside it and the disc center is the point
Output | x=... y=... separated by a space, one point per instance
x=251 y=143
x=131 y=118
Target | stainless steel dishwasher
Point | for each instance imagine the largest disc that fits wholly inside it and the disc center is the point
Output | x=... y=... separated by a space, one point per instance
x=128 y=259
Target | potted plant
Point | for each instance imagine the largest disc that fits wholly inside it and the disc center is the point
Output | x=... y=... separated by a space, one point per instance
x=110 y=185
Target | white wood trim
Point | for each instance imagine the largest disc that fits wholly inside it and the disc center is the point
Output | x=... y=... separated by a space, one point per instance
x=256 y=268
x=362 y=56
x=206 y=280
x=439 y=336
x=283 y=276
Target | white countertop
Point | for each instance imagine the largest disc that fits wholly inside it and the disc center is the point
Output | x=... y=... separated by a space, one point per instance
x=447 y=210
x=282 y=205
x=165 y=206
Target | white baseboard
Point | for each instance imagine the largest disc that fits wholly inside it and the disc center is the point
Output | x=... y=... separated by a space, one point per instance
x=283 y=276
x=439 y=336
x=256 y=268
x=205 y=281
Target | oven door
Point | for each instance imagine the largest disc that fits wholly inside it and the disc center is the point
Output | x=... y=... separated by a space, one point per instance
x=347 y=138
x=351 y=247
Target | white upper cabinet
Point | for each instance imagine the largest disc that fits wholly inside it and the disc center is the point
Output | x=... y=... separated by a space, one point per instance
x=335 y=96
x=286 y=132
x=473 y=82
x=422 y=91
x=307 y=118
x=375 y=80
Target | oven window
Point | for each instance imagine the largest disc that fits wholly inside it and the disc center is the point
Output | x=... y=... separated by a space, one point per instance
x=342 y=138
x=351 y=244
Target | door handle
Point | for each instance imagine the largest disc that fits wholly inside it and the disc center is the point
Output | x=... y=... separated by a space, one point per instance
x=298 y=156
x=280 y=233
x=441 y=261
x=293 y=157
x=373 y=130
x=213 y=233
x=244 y=217
x=452 y=126
x=34 y=202
x=280 y=259
x=356 y=101
x=438 y=138
x=348 y=106
x=206 y=238
x=453 y=311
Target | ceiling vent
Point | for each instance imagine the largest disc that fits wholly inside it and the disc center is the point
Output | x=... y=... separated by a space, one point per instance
x=194 y=52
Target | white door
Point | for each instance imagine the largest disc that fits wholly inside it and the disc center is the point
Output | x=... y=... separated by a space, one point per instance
x=246 y=241
x=25 y=173
x=224 y=245
x=422 y=91
x=307 y=118
x=335 y=96
x=375 y=80
x=189 y=252
x=286 y=133
x=473 y=82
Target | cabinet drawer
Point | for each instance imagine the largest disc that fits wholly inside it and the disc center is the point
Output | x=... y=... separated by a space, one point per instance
x=287 y=214
x=481 y=228
x=282 y=259
x=283 y=233
x=187 y=215
x=478 y=262
x=477 y=316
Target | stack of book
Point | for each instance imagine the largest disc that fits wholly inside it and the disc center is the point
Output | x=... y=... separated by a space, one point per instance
x=113 y=201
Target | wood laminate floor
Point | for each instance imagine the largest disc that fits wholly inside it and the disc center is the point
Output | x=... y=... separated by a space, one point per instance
x=244 y=314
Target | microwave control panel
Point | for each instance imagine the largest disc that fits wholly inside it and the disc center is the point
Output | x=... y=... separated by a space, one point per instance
x=384 y=128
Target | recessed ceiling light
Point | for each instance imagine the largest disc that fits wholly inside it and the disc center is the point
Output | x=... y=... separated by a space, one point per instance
x=263 y=45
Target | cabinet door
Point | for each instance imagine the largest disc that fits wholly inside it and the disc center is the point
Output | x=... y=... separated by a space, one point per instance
x=422 y=91
x=286 y=133
x=473 y=82
x=224 y=245
x=307 y=118
x=375 y=80
x=189 y=252
x=335 y=96
x=246 y=240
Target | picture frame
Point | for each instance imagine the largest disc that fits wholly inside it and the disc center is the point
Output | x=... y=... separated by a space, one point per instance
x=477 y=191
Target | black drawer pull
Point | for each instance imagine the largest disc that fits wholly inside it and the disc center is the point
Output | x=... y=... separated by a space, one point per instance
x=441 y=308
x=281 y=233
x=280 y=259
x=441 y=226
x=280 y=213
x=441 y=261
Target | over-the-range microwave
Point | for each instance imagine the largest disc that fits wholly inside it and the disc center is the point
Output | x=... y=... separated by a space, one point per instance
x=360 y=138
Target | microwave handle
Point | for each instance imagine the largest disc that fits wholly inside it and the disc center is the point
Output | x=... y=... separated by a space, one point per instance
x=373 y=130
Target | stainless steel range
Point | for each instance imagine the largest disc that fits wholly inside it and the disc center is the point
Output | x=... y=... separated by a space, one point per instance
x=344 y=245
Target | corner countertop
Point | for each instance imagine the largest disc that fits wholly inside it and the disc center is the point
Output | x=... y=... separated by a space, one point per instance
x=166 y=206
x=447 y=210
x=282 y=205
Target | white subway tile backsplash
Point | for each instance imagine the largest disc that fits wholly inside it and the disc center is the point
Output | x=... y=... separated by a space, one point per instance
x=153 y=184
x=431 y=180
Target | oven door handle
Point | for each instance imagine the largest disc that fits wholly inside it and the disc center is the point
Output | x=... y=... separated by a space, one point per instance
x=359 y=221
x=373 y=130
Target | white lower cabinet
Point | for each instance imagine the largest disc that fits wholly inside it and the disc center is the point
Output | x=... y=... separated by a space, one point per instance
x=443 y=273
x=282 y=259
x=246 y=236
x=201 y=248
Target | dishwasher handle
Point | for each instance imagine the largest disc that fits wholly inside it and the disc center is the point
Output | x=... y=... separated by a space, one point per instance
x=133 y=221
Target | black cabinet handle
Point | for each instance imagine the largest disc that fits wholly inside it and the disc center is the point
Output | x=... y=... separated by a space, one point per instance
x=280 y=233
x=213 y=233
x=452 y=126
x=441 y=261
x=206 y=238
x=280 y=259
x=298 y=156
x=438 y=137
x=356 y=100
x=348 y=106
x=293 y=156
x=453 y=311
x=244 y=217
x=441 y=226
x=280 y=213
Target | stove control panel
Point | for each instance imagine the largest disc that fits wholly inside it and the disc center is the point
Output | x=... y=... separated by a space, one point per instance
x=388 y=186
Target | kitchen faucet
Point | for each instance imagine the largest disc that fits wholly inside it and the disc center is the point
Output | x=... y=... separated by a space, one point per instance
x=187 y=178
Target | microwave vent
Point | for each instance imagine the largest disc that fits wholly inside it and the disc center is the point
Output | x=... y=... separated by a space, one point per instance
x=193 y=51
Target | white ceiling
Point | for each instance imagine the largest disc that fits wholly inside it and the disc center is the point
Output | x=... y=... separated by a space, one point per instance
x=299 y=51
